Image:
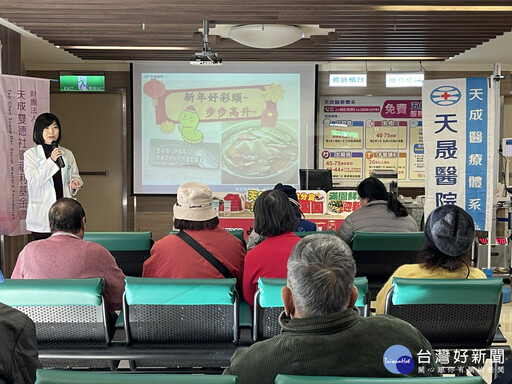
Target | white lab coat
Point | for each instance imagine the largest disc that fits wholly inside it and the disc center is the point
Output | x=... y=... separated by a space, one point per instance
x=41 y=192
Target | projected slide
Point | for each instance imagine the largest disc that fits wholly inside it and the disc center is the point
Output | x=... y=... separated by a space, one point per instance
x=229 y=129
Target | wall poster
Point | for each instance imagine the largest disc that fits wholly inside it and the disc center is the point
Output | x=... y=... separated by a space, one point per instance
x=359 y=135
x=22 y=99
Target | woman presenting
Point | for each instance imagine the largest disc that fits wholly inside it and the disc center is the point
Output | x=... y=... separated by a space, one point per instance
x=51 y=173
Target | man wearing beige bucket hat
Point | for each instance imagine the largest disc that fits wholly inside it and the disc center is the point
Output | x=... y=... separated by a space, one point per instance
x=183 y=255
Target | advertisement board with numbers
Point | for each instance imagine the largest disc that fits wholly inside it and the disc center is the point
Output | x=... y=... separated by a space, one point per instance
x=359 y=135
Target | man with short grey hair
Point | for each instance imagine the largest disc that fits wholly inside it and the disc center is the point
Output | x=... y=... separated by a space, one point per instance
x=323 y=334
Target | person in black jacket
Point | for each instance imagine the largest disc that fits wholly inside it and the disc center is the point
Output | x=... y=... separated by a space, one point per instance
x=18 y=346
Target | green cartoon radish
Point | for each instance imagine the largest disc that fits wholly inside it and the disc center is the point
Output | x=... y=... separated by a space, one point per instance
x=189 y=120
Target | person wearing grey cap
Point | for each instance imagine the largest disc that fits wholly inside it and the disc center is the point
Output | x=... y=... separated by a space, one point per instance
x=174 y=256
x=449 y=235
x=18 y=346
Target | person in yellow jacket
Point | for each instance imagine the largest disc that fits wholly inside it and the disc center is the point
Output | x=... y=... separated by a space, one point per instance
x=449 y=235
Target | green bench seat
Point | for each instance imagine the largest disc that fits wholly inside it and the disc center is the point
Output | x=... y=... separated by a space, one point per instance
x=181 y=313
x=67 y=313
x=268 y=305
x=130 y=249
x=379 y=254
x=448 y=312
x=452 y=314
x=50 y=376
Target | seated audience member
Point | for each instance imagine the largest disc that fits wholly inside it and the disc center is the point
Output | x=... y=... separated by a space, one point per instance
x=303 y=225
x=65 y=255
x=449 y=235
x=172 y=257
x=324 y=335
x=506 y=376
x=18 y=346
x=274 y=219
x=380 y=212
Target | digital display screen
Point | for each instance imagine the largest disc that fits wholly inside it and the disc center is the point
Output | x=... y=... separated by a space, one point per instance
x=507 y=147
x=499 y=241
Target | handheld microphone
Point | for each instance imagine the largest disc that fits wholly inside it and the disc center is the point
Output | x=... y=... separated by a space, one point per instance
x=60 y=161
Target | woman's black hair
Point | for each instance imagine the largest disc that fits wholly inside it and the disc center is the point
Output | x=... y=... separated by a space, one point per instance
x=196 y=225
x=373 y=189
x=273 y=214
x=45 y=120
x=431 y=258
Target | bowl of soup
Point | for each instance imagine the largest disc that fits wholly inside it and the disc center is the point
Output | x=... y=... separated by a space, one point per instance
x=261 y=154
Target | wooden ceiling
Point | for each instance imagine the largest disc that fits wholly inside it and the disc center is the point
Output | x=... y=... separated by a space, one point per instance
x=363 y=29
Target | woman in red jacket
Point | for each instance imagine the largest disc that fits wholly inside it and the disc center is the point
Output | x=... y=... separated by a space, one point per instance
x=275 y=220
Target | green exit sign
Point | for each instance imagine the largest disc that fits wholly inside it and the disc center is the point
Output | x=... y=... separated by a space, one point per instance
x=82 y=83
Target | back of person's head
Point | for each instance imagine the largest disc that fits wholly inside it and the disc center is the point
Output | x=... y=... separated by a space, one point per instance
x=449 y=235
x=321 y=273
x=193 y=209
x=273 y=214
x=66 y=215
x=372 y=188
x=45 y=120
x=291 y=192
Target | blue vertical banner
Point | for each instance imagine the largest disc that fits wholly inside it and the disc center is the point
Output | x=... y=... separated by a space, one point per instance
x=458 y=128
x=476 y=149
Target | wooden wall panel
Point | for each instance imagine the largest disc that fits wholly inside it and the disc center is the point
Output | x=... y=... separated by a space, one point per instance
x=11 y=51
x=154 y=213
x=13 y=246
x=355 y=30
